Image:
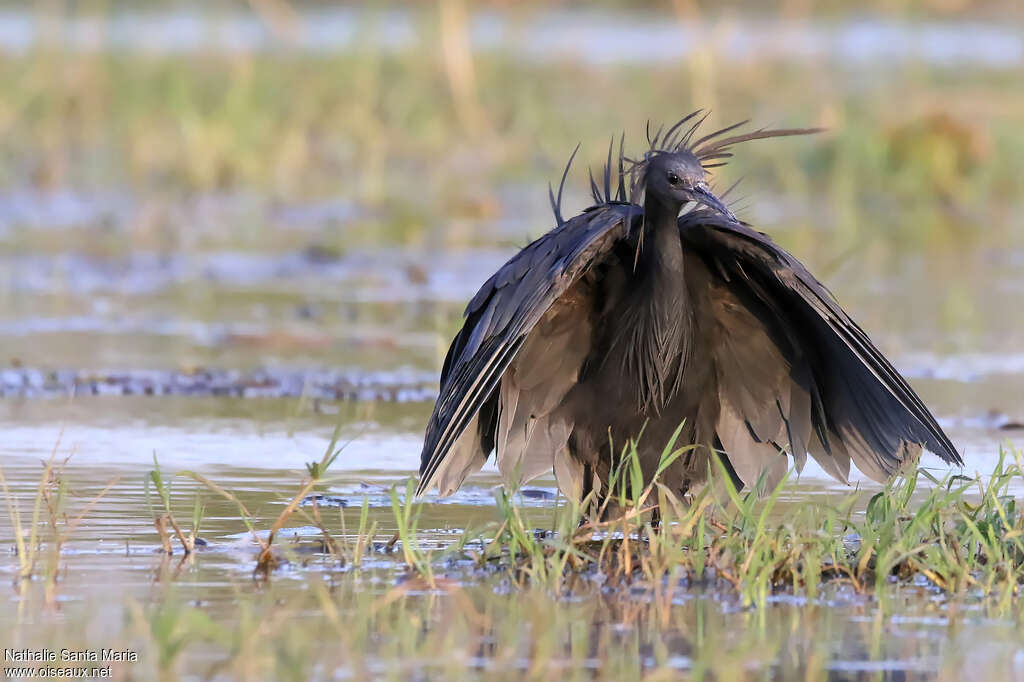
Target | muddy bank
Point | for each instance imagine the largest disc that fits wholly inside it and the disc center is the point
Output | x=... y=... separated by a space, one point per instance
x=347 y=385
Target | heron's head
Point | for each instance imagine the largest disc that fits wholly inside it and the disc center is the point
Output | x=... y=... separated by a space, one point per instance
x=674 y=170
x=678 y=178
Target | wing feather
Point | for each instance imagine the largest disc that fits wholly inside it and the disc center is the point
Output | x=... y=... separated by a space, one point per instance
x=502 y=314
x=836 y=394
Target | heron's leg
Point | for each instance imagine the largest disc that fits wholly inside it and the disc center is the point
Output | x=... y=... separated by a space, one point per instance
x=599 y=508
x=585 y=494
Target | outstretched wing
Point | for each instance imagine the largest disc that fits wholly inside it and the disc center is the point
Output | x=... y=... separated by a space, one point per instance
x=461 y=430
x=794 y=371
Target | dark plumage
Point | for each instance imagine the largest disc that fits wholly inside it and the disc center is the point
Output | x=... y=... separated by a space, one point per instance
x=630 y=319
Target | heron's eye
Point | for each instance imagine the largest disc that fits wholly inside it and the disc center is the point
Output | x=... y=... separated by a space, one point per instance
x=673 y=179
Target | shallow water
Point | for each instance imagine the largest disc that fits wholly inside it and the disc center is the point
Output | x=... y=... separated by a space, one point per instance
x=258 y=448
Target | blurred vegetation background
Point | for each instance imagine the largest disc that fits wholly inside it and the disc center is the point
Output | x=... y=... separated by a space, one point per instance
x=275 y=126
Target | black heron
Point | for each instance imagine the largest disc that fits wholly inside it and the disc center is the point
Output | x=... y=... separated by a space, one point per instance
x=636 y=317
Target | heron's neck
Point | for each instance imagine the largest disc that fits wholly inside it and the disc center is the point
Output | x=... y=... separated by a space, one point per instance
x=662 y=252
x=660 y=339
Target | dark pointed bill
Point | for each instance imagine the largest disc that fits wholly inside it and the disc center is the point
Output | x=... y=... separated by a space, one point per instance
x=702 y=194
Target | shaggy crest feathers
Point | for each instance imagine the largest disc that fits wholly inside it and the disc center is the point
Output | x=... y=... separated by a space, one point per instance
x=627 y=174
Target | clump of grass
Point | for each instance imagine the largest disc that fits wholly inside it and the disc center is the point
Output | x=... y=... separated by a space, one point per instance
x=267 y=560
x=957 y=533
x=610 y=596
x=166 y=518
x=960 y=535
x=947 y=537
x=720 y=536
x=33 y=541
x=407 y=519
